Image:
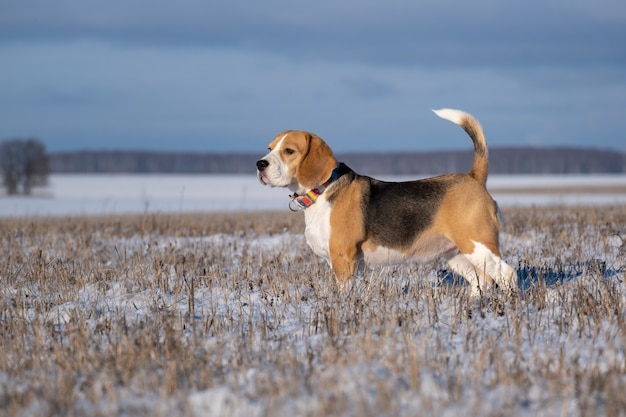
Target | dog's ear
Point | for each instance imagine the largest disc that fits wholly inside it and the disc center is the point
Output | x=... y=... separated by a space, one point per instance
x=318 y=163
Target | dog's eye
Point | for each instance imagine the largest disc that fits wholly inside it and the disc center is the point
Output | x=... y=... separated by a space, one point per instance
x=288 y=151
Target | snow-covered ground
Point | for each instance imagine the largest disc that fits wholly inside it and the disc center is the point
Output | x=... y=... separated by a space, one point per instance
x=276 y=338
x=261 y=314
x=110 y=194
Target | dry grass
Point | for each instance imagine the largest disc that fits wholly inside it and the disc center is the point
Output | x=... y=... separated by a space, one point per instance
x=230 y=314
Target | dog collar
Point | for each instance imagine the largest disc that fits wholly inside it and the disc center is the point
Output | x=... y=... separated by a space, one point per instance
x=310 y=197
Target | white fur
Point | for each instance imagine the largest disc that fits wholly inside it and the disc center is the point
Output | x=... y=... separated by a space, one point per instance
x=462 y=266
x=383 y=256
x=482 y=259
x=455 y=116
x=317 y=232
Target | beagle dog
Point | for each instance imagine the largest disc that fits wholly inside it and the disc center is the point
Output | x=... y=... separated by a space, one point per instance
x=354 y=220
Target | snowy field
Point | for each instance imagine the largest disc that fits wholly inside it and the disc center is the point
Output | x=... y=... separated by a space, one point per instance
x=111 y=194
x=173 y=313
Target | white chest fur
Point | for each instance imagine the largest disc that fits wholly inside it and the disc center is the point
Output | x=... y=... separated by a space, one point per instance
x=317 y=233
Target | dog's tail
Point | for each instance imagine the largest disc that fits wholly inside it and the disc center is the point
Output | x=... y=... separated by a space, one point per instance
x=473 y=129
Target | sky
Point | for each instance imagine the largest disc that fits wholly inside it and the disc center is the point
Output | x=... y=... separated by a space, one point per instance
x=225 y=75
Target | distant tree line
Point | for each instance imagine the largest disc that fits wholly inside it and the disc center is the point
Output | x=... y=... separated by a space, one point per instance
x=152 y=162
x=24 y=165
x=501 y=161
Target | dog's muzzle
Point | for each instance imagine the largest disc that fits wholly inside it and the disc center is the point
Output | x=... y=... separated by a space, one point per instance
x=262 y=164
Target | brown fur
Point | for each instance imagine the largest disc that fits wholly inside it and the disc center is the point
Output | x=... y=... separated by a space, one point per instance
x=347 y=231
x=480 y=166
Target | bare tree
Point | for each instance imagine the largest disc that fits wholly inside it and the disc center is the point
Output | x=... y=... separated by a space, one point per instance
x=36 y=167
x=10 y=160
x=24 y=163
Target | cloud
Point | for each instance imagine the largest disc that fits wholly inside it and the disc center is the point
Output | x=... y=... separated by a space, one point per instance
x=229 y=75
x=396 y=32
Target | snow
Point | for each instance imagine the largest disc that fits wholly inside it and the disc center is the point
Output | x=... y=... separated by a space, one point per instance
x=113 y=194
x=293 y=322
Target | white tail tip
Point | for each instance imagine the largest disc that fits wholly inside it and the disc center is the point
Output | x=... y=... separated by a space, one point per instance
x=455 y=116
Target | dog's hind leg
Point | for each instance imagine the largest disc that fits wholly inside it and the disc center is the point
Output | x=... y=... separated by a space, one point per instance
x=492 y=265
x=479 y=283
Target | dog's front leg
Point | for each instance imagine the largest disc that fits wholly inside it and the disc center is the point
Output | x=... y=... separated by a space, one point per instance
x=347 y=232
x=343 y=259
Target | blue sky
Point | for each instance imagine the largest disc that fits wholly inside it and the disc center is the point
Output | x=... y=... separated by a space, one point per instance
x=363 y=74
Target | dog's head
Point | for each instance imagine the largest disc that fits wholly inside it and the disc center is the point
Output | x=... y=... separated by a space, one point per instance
x=297 y=160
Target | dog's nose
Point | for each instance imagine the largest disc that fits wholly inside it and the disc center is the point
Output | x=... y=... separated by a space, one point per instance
x=262 y=164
